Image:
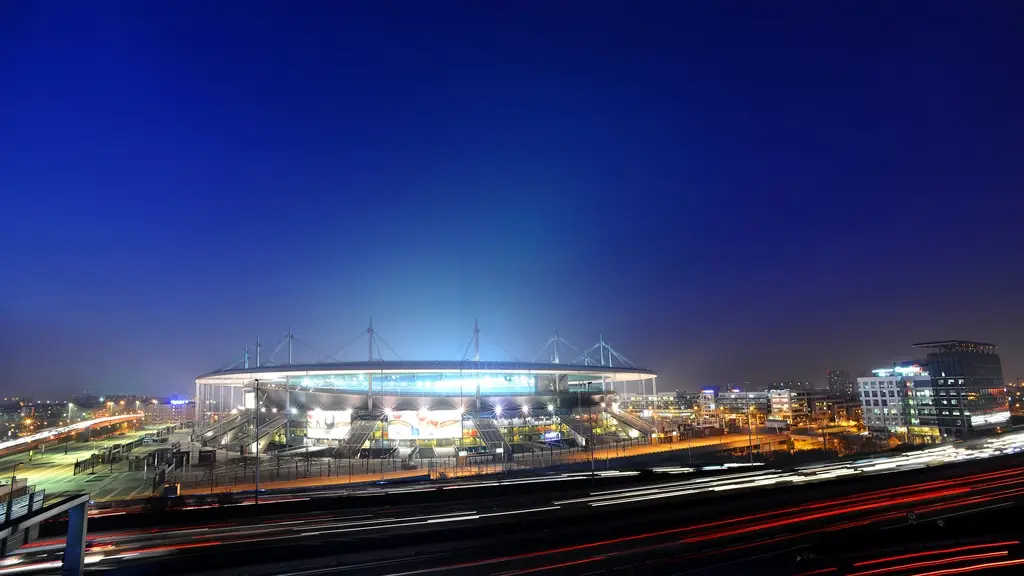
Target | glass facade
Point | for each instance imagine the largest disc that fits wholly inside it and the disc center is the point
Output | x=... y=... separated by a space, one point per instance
x=439 y=384
x=969 y=396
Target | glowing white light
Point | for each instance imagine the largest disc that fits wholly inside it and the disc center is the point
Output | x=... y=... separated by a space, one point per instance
x=497 y=410
x=990 y=418
x=295 y=410
x=526 y=409
x=551 y=408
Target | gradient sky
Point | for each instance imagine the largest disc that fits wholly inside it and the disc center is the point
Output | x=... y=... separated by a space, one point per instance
x=728 y=191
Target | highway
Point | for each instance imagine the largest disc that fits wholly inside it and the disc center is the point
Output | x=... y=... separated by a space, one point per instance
x=685 y=520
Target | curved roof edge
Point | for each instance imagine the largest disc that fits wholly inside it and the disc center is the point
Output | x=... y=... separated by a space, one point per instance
x=407 y=366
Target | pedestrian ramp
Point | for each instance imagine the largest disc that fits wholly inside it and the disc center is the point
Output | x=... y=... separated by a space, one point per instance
x=579 y=428
x=224 y=431
x=488 y=431
x=633 y=422
x=357 y=436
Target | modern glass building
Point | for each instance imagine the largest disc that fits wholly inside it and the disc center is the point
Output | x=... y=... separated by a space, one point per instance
x=967 y=385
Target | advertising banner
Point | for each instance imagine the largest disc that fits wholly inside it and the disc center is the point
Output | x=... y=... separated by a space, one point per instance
x=328 y=424
x=426 y=424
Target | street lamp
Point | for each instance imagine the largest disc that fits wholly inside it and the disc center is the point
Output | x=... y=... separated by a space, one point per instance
x=256 y=392
x=10 y=495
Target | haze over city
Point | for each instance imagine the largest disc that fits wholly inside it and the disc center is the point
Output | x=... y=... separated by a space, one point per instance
x=725 y=195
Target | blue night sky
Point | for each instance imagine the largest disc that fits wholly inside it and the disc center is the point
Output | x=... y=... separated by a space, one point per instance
x=728 y=191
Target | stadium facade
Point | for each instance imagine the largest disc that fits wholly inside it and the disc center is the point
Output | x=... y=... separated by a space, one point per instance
x=351 y=408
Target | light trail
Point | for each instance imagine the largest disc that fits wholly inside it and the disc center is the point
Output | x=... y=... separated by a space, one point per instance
x=936 y=562
x=51 y=432
x=826 y=514
x=873 y=505
x=972 y=568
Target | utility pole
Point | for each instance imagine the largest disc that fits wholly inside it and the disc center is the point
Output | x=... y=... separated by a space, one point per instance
x=590 y=410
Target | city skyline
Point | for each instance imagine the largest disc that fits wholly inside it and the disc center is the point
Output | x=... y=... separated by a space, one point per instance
x=688 y=180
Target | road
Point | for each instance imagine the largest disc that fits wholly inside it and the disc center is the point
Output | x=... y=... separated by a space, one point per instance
x=680 y=523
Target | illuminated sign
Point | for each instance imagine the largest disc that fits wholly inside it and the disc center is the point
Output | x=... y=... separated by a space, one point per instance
x=914 y=370
x=328 y=424
x=553 y=435
x=427 y=424
x=178 y=402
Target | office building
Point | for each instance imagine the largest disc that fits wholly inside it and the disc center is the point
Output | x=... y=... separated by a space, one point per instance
x=839 y=383
x=798 y=406
x=898 y=401
x=731 y=404
x=168 y=411
x=967 y=384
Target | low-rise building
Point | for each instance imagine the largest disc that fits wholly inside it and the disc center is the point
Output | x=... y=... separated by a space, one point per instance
x=799 y=407
x=899 y=401
x=168 y=411
x=731 y=404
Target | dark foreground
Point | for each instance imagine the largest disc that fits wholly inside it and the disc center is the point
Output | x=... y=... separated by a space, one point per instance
x=747 y=522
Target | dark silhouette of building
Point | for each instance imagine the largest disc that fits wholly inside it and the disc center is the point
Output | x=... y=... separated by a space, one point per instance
x=792 y=385
x=839 y=383
x=967 y=384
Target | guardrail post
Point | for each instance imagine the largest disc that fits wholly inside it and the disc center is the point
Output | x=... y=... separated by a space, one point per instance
x=73 y=563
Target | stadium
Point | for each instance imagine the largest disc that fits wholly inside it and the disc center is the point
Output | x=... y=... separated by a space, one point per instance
x=379 y=408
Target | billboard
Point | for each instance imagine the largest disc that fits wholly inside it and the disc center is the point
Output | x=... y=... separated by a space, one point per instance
x=426 y=424
x=328 y=424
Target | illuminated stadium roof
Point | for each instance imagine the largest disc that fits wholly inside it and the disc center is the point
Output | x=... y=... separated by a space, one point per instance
x=243 y=377
x=423 y=377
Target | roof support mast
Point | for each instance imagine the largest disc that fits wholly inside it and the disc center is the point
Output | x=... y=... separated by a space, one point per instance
x=476 y=340
x=369 y=375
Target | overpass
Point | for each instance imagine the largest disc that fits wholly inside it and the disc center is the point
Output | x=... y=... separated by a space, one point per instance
x=43 y=436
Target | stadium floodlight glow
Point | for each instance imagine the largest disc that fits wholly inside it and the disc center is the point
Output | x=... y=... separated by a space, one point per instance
x=295 y=410
x=526 y=409
x=551 y=408
x=460 y=409
x=497 y=410
x=389 y=412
